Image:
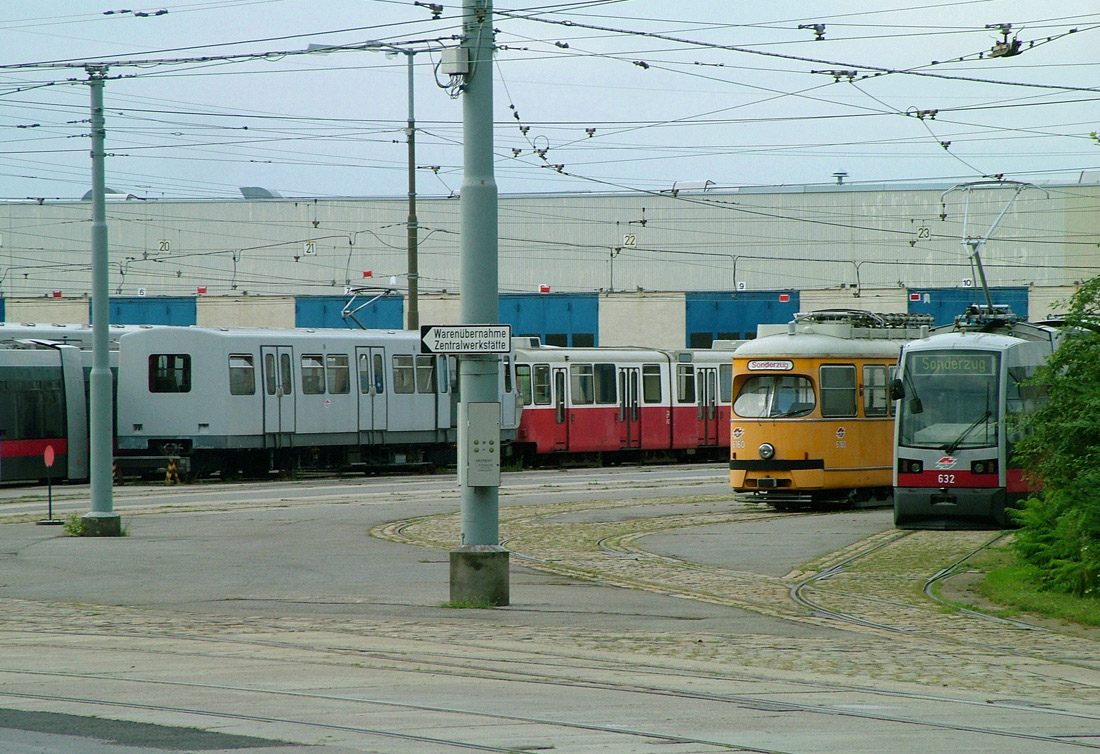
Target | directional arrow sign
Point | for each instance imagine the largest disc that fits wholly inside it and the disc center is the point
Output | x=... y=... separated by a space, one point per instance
x=465 y=338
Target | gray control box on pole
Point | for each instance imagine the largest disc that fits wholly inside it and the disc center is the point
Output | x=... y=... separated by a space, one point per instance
x=479 y=441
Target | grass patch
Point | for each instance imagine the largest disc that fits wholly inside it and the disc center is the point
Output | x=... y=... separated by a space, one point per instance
x=77 y=526
x=74 y=525
x=1013 y=585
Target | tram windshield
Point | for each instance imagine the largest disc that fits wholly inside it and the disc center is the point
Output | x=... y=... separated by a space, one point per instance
x=951 y=400
x=775 y=395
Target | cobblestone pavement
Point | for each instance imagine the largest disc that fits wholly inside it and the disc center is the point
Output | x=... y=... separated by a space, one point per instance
x=920 y=641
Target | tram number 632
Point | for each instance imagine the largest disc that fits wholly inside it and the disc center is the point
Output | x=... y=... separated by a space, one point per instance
x=945 y=478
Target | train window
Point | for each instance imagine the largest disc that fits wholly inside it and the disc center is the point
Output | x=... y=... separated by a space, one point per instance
x=580 y=383
x=364 y=374
x=685 y=383
x=443 y=367
x=540 y=385
x=875 y=399
x=31 y=409
x=523 y=382
x=651 y=383
x=339 y=374
x=313 y=374
x=169 y=373
x=242 y=374
x=286 y=374
x=425 y=374
x=404 y=381
x=605 y=384
x=379 y=375
x=775 y=396
x=838 y=390
x=725 y=383
x=269 y=373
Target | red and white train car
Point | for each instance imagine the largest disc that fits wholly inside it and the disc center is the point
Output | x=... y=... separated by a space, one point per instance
x=622 y=403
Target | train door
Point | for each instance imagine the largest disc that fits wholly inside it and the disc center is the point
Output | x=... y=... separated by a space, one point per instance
x=278 y=373
x=706 y=381
x=630 y=418
x=373 y=405
x=561 y=414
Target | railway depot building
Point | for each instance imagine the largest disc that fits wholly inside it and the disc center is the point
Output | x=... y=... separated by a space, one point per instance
x=660 y=269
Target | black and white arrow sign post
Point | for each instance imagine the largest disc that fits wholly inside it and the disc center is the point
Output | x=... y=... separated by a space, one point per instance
x=468 y=339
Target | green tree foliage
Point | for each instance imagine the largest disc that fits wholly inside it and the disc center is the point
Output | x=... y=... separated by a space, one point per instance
x=1060 y=526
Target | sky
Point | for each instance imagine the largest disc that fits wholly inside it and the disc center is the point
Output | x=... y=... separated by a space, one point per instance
x=206 y=96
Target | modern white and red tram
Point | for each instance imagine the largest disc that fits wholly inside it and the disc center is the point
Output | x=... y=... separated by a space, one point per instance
x=953 y=443
x=620 y=403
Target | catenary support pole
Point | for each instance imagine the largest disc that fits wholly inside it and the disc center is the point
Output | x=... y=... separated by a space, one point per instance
x=101 y=520
x=412 y=225
x=479 y=568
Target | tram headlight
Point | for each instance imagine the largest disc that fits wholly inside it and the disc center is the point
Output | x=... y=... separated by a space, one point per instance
x=984 y=467
x=906 y=466
x=767 y=451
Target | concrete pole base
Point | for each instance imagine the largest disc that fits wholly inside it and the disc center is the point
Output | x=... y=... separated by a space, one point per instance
x=479 y=575
x=101 y=525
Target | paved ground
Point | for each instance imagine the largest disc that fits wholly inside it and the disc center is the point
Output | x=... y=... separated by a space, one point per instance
x=284 y=623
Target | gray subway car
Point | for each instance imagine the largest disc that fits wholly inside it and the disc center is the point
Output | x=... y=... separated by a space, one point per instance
x=254 y=399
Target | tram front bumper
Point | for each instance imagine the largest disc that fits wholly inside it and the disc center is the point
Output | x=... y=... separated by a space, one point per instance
x=791 y=476
x=936 y=508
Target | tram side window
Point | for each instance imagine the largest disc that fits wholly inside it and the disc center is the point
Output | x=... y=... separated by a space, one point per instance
x=580 y=384
x=838 y=391
x=242 y=374
x=286 y=375
x=523 y=383
x=685 y=383
x=404 y=381
x=1021 y=397
x=364 y=374
x=604 y=376
x=269 y=373
x=31 y=409
x=169 y=373
x=425 y=374
x=876 y=401
x=313 y=374
x=540 y=385
x=339 y=374
x=379 y=375
x=506 y=365
x=651 y=383
x=725 y=383
x=443 y=373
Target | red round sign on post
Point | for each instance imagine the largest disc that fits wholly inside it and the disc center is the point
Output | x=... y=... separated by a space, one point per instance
x=48 y=456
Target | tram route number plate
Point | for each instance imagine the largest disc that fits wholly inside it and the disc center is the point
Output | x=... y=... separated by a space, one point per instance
x=465 y=338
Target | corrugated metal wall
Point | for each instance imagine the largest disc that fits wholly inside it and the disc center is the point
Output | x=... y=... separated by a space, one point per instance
x=798 y=238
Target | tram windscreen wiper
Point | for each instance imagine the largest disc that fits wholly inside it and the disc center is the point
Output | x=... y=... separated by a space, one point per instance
x=952 y=447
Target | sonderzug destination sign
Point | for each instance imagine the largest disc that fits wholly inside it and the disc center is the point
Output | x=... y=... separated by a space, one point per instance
x=466 y=338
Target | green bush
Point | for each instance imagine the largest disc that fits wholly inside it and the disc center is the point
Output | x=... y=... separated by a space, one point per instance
x=1060 y=526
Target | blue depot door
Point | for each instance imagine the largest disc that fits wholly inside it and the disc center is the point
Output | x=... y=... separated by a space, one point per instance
x=734 y=316
x=944 y=304
x=559 y=319
x=386 y=313
x=151 y=310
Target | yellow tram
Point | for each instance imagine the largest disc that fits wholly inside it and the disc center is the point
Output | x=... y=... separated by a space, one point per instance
x=812 y=421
